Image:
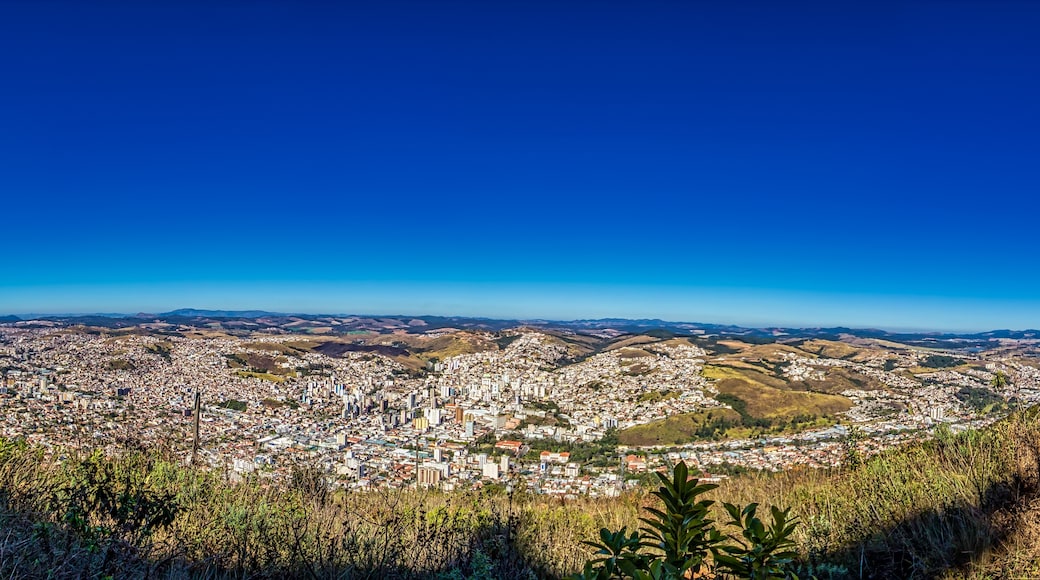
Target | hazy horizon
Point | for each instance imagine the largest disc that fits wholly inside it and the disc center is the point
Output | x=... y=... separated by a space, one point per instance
x=760 y=310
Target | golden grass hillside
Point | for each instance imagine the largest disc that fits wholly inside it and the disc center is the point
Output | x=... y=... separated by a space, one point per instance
x=771 y=403
x=678 y=429
x=961 y=506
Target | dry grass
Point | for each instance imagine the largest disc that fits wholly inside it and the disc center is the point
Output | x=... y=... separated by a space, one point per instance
x=962 y=506
x=838 y=380
x=771 y=352
x=262 y=376
x=676 y=429
x=754 y=374
x=629 y=353
x=768 y=396
x=835 y=349
x=767 y=402
x=631 y=341
x=222 y=529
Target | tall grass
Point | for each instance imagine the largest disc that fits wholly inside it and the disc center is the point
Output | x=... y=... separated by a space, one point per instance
x=928 y=509
x=959 y=506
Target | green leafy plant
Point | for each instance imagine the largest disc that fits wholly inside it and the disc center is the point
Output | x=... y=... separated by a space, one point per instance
x=852 y=459
x=682 y=531
x=760 y=552
x=617 y=553
x=681 y=541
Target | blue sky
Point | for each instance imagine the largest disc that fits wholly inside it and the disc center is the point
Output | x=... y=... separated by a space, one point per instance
x=868 y=164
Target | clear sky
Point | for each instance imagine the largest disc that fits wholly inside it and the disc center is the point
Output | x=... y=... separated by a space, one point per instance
x=866 y=164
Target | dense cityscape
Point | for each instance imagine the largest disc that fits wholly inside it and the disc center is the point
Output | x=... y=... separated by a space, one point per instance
x=569 y=413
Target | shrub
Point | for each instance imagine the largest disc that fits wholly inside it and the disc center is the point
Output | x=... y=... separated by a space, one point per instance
x=677 y=541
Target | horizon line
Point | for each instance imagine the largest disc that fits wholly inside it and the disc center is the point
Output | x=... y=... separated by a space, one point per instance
x=30 y=316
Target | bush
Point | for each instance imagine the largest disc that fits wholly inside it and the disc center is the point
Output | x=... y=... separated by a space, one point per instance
x=939 y=361
x=234 y=405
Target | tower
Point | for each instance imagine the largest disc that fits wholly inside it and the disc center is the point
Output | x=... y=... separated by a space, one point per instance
x=195 y=429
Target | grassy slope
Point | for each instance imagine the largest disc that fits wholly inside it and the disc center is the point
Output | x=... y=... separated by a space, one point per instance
x=963 y=506
x=627 y=341
x=769 y=396
x=264 y=376
x=771 y=403
x=835 y=349
x=674 y=430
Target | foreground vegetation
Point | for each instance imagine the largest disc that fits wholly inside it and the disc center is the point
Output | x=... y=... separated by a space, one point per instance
x=961 y=506
x=680 y=539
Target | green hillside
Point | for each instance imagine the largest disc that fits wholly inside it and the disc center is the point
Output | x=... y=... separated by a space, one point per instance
x=683 y=428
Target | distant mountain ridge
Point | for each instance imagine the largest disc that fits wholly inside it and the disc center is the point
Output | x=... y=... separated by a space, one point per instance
x=351 y=322
x=194 y=312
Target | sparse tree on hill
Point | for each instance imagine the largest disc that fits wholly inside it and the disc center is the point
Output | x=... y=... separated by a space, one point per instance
x=852 y=458
x=1000 y=380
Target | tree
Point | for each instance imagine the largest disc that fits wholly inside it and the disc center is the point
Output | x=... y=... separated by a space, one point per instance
x=852 y=458
x=1000 y=380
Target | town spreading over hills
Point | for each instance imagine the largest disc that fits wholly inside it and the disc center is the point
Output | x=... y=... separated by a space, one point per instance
x=579 y=408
